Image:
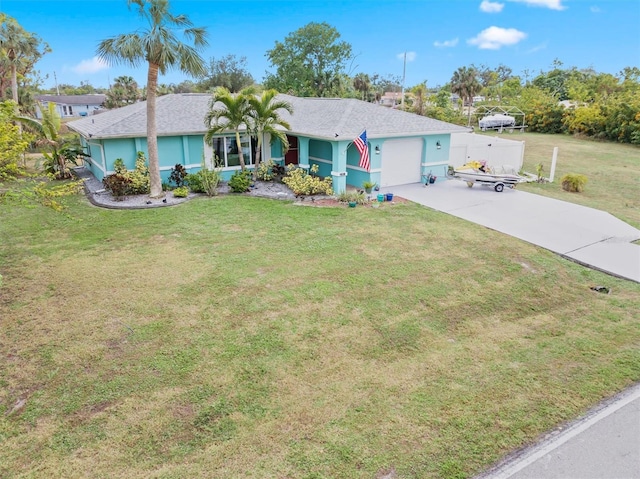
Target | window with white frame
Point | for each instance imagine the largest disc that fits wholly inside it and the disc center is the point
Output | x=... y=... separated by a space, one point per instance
x=226 y=149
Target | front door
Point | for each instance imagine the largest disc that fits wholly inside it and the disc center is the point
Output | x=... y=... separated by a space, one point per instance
x=291 y=156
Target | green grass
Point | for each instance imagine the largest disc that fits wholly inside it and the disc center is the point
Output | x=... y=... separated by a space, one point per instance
x=243 y=337
x=612 y=171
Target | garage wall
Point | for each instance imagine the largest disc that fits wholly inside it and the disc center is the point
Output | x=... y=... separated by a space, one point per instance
x=497 y=152
x=401 y=162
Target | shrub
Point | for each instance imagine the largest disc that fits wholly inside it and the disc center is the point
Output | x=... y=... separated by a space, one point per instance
x=265 y=171
x=178 y=174
x=352 y=196
x=9 y=169
x=240 y=181
x=119 y=168
x=194 y=182
x=209 y=180
x=140 y=183
x=204 y=181
x=12 y=143
x=138 y=180
x=279 y=172
x=573 y=182
x=302 y=183
x=181 y=192
x=118 y=184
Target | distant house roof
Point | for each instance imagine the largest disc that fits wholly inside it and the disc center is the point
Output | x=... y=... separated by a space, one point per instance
x=322 y=118
x=92 y=99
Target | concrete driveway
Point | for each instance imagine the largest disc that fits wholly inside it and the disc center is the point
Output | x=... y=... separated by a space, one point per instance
x=588 y=236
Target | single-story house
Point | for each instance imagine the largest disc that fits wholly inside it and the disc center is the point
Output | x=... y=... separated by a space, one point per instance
x=72 y=105
x=403 y=147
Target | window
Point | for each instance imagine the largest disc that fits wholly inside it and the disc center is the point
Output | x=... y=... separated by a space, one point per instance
x=70 y=110
x=64 y=109
x=226 y=149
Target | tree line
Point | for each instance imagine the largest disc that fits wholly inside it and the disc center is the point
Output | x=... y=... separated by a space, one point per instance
x=314 y=61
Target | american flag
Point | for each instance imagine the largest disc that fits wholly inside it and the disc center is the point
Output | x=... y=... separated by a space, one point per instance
x=361 y=145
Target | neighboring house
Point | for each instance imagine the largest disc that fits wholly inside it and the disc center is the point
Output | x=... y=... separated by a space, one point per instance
x=390 y=98
x=403 y=146
x=72 y=105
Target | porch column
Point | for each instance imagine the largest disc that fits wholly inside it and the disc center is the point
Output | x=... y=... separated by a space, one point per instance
x=303 y=153
x=339 y=165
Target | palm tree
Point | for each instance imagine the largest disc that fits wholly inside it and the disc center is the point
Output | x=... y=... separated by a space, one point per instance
x=124 y=91
x=161 y=49
x=16 y=43
x=264 y=118
x=465 y=83
x=420 y=97
x=228 y=112
x=362 y=83
x=59 y=151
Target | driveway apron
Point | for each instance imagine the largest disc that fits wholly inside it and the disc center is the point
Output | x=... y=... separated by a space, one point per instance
x=588 y=236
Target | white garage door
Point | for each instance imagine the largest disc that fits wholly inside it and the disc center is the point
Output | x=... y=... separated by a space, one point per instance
x=401 y=162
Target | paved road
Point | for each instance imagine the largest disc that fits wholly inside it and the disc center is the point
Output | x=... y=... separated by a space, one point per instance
x=588 y=236
x=604 y=444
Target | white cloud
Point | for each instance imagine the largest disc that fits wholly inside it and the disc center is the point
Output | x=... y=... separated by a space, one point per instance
x=494 y=38
x=92 y=65
x=410 y=56
x=491 y=7
x=551 y=4
x=446 y=43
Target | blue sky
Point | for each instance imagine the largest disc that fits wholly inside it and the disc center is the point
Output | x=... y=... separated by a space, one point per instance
x=439 y=36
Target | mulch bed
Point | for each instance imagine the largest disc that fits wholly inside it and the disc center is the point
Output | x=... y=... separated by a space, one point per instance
x=333 y=203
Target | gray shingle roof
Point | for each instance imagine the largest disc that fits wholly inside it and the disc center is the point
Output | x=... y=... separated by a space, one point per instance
x=92 y=99
x=314 y=117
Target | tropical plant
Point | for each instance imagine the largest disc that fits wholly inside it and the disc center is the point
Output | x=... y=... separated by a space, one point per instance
x=119 y=184
x=161 y=49
x=134 y=182
x=178 y=174
x=59 y=151
x=140 y=184
x=265 y=172
x=228 y=112
x=302 y=183
x=181 y=192
x=464 y=82
x=265 y=118
x=368 y=186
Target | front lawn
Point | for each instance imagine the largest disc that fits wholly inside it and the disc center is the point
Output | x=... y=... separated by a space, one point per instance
x=612 y=170
x=246 y=337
